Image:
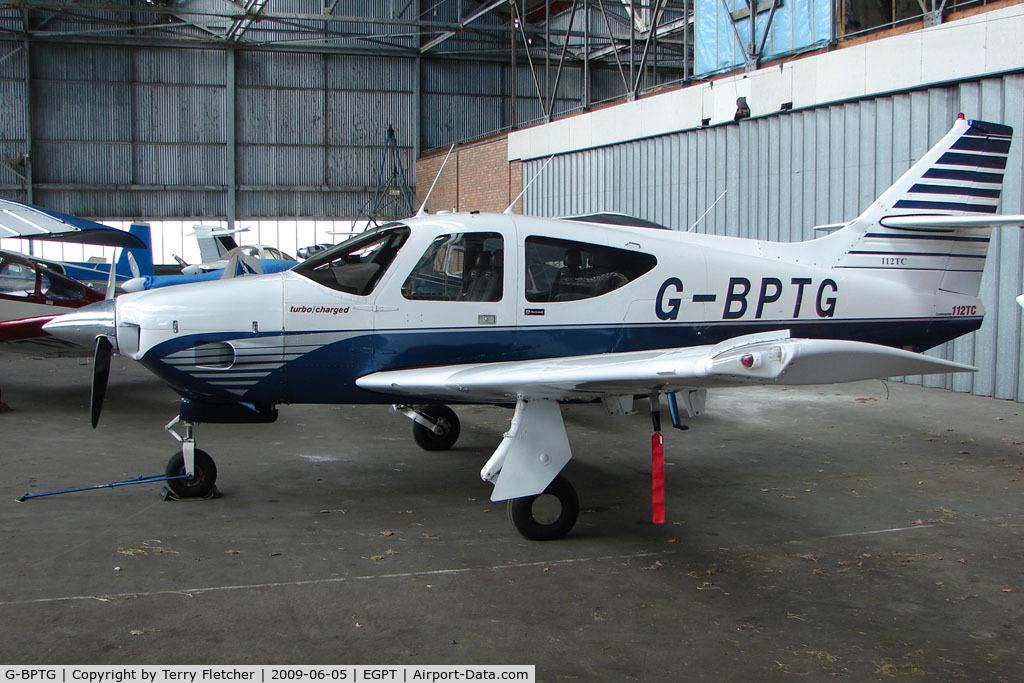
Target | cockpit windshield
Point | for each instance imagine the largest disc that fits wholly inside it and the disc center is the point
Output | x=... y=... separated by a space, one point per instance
x=355 y=266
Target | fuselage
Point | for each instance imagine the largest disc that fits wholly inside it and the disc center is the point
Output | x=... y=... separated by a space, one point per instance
x=467 y=288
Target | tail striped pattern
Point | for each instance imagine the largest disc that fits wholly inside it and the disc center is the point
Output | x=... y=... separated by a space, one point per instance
x=965 y=179
x=961 y=176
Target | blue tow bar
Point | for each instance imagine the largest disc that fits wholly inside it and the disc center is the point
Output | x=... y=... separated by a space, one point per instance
x=113 y=484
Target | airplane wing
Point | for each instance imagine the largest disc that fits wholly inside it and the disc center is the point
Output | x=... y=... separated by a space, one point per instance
x=536 y=447
x=765 y=358
x=25 y=328
x=18 y=219
x=27 y=336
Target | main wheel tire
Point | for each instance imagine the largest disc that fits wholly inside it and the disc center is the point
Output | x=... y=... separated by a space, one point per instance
x=200 y=484
x=537 y=524
x=450 y=429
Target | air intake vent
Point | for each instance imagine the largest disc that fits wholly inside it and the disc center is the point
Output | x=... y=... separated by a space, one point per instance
x=214 y=355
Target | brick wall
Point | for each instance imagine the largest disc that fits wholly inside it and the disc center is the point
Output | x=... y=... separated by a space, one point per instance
x=477 y=177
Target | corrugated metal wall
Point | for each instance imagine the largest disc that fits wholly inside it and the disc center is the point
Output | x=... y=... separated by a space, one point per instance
x=312 y=121
x=785 y=174
x=143 y=132
x=129 y=131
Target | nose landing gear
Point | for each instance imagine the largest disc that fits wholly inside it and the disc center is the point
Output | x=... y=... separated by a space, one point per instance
x=199 y=468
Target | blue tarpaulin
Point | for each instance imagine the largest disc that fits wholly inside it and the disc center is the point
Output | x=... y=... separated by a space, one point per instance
x=797 y=25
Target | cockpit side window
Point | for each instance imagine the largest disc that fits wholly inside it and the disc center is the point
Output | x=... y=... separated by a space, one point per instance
x=356 y=266
x=459 y=267
x=16 y=279
x=59 y=288
x=564 y=270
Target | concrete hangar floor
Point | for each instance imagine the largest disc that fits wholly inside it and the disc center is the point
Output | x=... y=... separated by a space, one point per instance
x=857 y=531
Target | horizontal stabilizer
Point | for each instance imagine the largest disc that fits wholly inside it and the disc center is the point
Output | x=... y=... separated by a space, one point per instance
x=953 y=222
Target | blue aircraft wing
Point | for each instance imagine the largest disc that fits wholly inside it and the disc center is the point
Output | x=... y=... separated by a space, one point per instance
x=18 y=219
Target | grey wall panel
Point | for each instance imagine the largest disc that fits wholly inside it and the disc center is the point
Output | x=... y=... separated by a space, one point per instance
x=179 y=67
x=287 y=70
x=270 y=116
x=129 y=205
x=300 y=204
x=361 y=118
x=12 y=110
x=182 y=165
x=787 y=173
x=351 y=167
x=351 y=72
x=187 y=114
x=88 y=63
x=108 y=163
x=83 y=111
x=280 y=165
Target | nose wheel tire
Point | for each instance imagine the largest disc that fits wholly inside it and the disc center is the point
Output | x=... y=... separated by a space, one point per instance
x=446 y=420
x=200 y=484
x=548 y=515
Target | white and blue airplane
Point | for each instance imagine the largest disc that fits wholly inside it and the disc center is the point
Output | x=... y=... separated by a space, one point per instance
x=476 y=308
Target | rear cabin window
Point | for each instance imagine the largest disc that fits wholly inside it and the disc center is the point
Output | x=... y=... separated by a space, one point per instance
x=357 y=265
x=563 y=270
x=459 y=267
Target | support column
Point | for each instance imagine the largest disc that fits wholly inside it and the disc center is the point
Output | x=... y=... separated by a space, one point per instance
x=28 y=124
x=586 y=55
x=417 y=144
x=231 y=207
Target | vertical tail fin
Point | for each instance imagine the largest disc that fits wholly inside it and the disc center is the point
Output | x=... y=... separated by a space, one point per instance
x=143 y=257
x=214 y=241
x=931 y=228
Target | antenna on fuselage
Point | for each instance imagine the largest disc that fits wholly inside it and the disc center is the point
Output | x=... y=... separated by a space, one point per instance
x=706 y=212
x=423 y=206
x=527 y=187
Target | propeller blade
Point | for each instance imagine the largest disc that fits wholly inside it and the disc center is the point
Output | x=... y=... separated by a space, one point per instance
x=111 y=280
x=100 y=375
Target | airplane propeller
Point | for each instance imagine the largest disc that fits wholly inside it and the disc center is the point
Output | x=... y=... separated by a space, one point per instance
x=100 y=374
x=104 y=349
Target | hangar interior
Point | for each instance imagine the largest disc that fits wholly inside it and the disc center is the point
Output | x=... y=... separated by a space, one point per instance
x=279 y=111
x=816 y=532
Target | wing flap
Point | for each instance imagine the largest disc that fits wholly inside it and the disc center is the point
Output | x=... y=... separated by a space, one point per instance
x=772 y=358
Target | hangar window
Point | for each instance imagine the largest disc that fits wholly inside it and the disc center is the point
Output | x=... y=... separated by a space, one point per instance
x=563 y=270
x=459 y=267
x=357 y=265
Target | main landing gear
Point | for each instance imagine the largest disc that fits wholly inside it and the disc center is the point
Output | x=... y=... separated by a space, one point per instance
x=542 y=516
x=546 y=516
x=435 y=427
